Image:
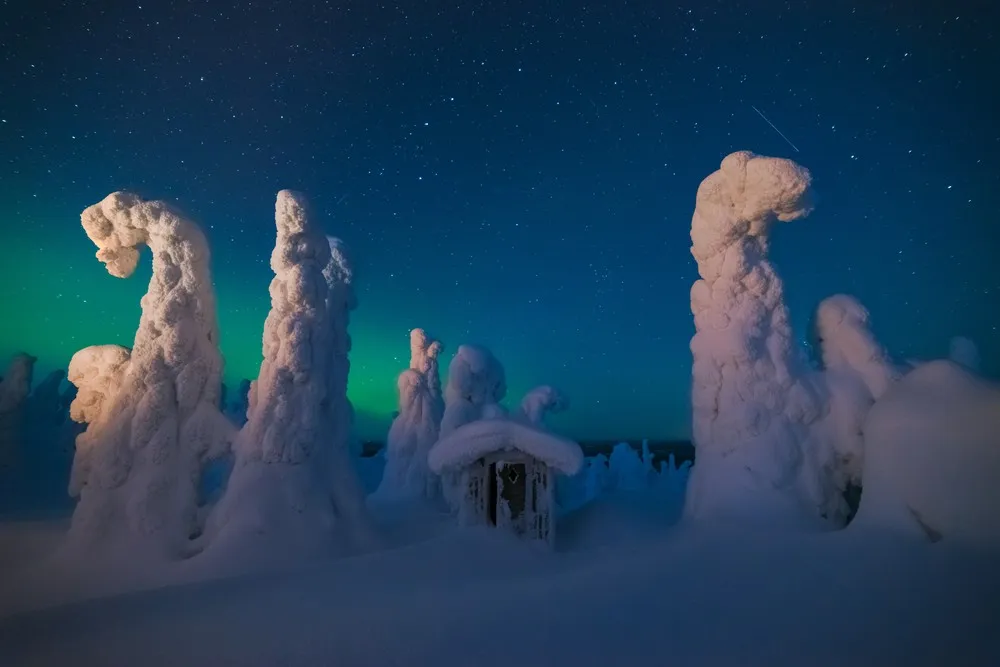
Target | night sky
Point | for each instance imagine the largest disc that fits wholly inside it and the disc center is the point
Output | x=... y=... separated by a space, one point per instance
x=516 y=174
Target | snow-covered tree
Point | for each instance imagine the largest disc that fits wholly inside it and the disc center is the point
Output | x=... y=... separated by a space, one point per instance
x=98 y=374
x=964 y=351
x=541 y=401
x=475 y=380
x=14 y=389
x=282 y=489
x=163 y=421
x=415 y=429
x=750 y=406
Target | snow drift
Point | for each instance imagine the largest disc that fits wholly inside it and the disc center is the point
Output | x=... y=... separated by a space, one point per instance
x=284 y=488
x=159 y=419
x=932 y=457
x=750 y=407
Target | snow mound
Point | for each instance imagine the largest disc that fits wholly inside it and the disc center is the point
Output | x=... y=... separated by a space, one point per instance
x=540 y=401
x=479 y=438
x=932 y=457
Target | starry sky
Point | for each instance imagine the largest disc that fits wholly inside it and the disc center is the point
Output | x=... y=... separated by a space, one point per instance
x=517 y=174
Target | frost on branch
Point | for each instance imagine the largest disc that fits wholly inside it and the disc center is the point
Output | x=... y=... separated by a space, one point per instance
x=281 y=489
x=151 y=436
x=750 y=409
x=932 y=458
x=541 y=401
x=415 y=430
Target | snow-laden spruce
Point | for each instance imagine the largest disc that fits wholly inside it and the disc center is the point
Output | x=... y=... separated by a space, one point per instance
x=855 y=371
x=476 y=382
x=540 y=402
x=291 y=485
x=965 y=352
x=415 y=428
x=159 y=420
x=932 y=458
x=14 y=389
x=750 y=407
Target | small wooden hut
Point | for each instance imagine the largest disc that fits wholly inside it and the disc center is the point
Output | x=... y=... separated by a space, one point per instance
x=506 y=471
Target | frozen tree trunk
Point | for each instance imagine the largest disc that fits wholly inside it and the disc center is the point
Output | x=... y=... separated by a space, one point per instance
x=281 y=491
x=749 y=405
x=155 y=429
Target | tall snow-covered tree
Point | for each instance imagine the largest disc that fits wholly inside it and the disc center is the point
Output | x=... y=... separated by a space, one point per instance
x=415 y=429
x=291 y=485
x=476 y=382
x=750 y=407
x=162 y=421
x=14 y=389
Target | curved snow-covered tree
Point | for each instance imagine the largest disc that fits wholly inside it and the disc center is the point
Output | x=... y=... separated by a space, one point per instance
x=749 y=404
x=281 y=489
x=541 y=401
x=164 y=420
x=415 y=429
x=476 y=380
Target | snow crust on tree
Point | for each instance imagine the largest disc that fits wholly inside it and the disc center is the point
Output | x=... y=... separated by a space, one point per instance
x=964 y=351
x=292 y=484
x=154 y=432
x=541 y=401
x=475 y=380
x=415 y=428
x=476 y=439
x=932 y=458
x=751 y=409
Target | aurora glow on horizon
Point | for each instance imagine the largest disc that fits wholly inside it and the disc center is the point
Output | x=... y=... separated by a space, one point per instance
x=522 y=183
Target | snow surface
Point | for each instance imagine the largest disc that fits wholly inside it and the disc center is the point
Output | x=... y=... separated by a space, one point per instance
x=932 y=458
x=161 y=420
x=652 y=594
x=472 y=441
x=751 y=406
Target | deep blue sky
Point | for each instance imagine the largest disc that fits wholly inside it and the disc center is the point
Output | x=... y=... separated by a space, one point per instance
x=517 y=174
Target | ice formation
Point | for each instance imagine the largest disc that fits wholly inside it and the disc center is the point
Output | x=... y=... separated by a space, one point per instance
x=150 y=438
x=475 y=380
x=415 y=428
x=932 y=458
x=540 y=401
x=14 y=389
x=750 y=407
x=287 y=484
x=964 y=351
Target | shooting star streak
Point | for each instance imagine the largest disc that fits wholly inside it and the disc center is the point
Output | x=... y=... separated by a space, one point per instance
x=775 y=129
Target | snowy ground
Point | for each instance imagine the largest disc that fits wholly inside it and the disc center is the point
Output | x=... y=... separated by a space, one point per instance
x=627 y=586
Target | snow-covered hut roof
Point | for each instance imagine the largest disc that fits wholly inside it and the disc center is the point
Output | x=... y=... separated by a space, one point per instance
x=486 y=436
